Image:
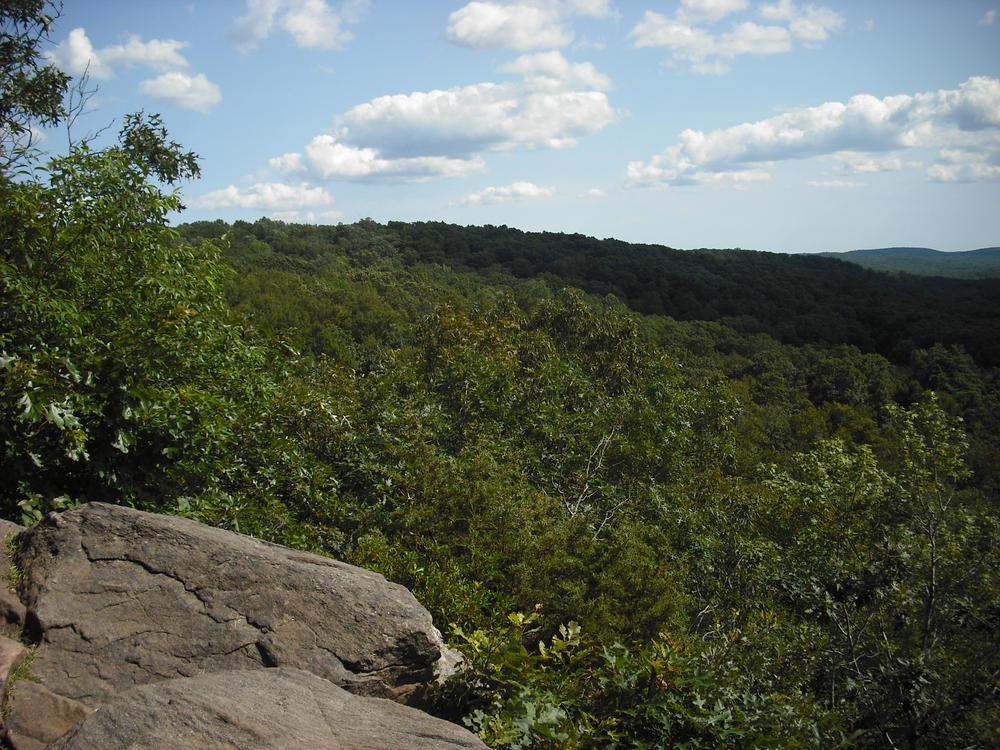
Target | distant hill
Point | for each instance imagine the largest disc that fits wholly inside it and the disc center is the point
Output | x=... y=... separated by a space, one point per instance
x=797 y=299
x=973 y=264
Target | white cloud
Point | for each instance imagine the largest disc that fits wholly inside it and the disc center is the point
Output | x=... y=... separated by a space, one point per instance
x=287 y=163
x=160 y=54
x=520 y=27
x=812 y=24
x=76 y=55
x=958 y=165
x=710 y=10
x=328 y=159
x=657 y=30
x=966 y=118
x=711 y=53
x=190 y=92
x=255 y=24
x=740 y=179
x=783 y=10
x=514 y=191
x=860 y=163
x=749 y=38
x=989 y=19
x=592 y=8
x=428 y=134
x=550 y=108
x=311 y=23
x=595 y=193
x=307 y=217
x=481 y=117
x=274 y=196
x=816 y=24
x=834 y=184
x=713 y=68
x=550 y=71
x=695 y=44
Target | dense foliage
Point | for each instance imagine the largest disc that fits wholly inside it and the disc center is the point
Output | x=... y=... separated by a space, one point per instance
x=767 y=520
x=983 y=263
x=763 y=544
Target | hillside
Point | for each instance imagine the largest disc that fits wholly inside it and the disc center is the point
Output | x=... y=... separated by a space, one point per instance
x=796 y=299
x=640 y=529
x=972 y=264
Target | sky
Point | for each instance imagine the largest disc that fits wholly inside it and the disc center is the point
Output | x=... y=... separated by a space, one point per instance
x=780 y=125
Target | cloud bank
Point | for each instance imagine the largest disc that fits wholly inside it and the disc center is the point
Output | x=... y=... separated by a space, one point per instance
x=441 y=133
x=964 y=123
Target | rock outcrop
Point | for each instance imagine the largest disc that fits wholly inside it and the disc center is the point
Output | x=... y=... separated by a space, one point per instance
x=118 y=597
x=38 y=717
x=269 y=709
x=127 y=608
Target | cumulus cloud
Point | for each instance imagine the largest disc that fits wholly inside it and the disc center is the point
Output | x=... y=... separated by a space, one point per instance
x=520 y=27
x=327 y=158
x=514 y=191
x=965 y=122
x=712 y=53
x=440 y=133
x=76 y=55
x=989 y=18
x=550 y=71
x=595 y=193
x=271 y=196
x=189 y=92
x=543 y=111
x=311 y=23
x=706 y=51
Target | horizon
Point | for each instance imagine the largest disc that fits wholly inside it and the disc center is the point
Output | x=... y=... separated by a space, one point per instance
x=777 y=126
x=184 y=220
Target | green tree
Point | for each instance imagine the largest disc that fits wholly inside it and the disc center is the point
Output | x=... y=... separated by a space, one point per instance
x=120 y=372
x=30 y=93
x=900 y=570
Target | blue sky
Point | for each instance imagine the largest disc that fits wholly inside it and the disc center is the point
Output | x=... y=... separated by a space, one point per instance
x=778 y=125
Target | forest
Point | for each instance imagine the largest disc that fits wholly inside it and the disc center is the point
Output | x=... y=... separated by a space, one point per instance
x=983 y=263
x=658 y=498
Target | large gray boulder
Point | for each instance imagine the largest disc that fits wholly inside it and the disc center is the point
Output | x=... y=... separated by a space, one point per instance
x=285 y=709
x=117 y=598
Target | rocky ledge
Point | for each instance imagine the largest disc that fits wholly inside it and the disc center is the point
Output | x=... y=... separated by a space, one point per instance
x=156 y=631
